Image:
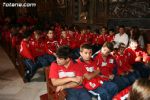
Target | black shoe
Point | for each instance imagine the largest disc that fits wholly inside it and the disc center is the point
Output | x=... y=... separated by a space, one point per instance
x=27 y=77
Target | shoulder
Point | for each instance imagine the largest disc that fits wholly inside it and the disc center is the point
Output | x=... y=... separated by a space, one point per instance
x=125 y=34
x=117 y=34
x=53 y=64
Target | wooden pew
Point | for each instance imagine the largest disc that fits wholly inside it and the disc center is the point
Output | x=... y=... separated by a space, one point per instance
x=52 y=95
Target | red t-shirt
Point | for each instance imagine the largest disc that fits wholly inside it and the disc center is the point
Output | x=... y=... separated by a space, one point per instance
x=73 y=70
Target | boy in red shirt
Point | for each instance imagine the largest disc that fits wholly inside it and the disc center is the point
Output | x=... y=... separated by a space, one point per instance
x=111 y=35
x=66 y=75
x=124 y=69
x=31 y=65
x=107 y=65
x=64 y=39
x=137 y=58
x=92 y=80
x=103 y=36
x=51 y=46
x=37 y=47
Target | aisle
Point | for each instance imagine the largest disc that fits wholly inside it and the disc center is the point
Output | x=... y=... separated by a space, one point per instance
x=11 y=85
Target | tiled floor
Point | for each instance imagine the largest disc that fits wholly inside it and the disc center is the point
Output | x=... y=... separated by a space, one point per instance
x=11 y=85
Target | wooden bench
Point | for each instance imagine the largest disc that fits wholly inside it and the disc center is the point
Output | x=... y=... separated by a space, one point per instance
x=52 y=95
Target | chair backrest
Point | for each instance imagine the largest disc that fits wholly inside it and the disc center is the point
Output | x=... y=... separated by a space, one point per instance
x=52 y=95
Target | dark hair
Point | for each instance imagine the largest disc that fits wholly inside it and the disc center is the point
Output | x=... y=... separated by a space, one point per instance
x=85 y=46
x=136 y=33
x=140 y=90
x=27 y=33
x=122 y=45
x=63 y=52
x=104 y=27
x=111 y=30
x=109 y=45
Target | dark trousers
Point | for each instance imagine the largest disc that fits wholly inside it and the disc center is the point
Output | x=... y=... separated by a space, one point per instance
x=77 y=94
x=121 y=82
x=106 y=91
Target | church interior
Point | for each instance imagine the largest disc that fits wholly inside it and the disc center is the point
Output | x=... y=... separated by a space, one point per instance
x=32 y=31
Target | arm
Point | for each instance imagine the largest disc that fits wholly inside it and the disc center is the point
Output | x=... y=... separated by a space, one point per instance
x=89 y=76
x=62 y=81
x=69 y=85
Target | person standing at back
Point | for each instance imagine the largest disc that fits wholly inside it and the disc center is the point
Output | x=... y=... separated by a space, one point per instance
x=121 y=37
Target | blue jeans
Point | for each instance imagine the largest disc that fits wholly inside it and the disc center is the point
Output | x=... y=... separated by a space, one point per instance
x=121 y=82
x=30 y=68
x=77 y=94
x=106 y=91
x=132 y=76
x=142 y=69
x=45 y=60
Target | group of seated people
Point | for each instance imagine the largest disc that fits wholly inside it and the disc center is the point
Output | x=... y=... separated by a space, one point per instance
x=83 y=63
x=100 y=75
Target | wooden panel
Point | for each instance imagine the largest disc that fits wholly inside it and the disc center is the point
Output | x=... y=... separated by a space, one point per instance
x=52 y=95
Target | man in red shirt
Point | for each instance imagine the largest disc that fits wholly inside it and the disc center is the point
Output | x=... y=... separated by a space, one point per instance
x=107 y=65
x=123 y=67
x=37 y=47
x=51 y=45
x=66 y=75
x=31 y=65
x=137 y=58
x=92 y=80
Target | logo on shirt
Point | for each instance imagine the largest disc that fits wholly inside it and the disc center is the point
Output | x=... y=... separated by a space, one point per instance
x=104 y=64
x=63 y=74
x=111 y=61
x=90 y=69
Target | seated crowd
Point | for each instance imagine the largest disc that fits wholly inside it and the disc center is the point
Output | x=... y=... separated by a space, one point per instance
x=82 y=62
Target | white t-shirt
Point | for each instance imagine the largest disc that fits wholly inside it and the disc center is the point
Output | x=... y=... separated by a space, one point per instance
x=121 y=39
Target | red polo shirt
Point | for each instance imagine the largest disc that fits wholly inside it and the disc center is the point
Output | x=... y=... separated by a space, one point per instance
x=106 y=67
x=51 y=46
x=102 y=39
x=57 y=71
x=131 y=55
x=37 y=46
x=90 y=68
x=123 y=95
x=24 y=50
x=123 y=65
x=110 y=38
